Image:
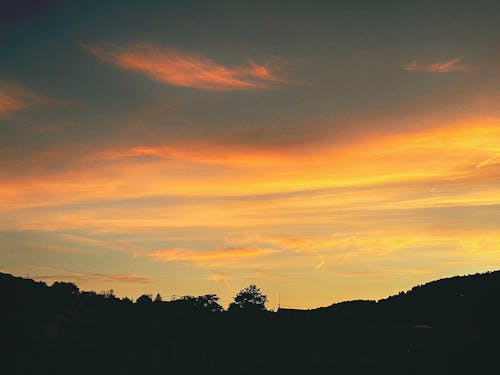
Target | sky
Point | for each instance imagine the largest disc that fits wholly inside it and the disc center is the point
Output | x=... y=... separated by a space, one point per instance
x=325 y=151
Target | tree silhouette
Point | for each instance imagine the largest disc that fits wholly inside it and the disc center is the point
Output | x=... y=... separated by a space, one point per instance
x=108 y=294
x=449 y=326
x=249 y=299
x=65 y=288
x=158 y=298
x=145 y=298
x=208 y=302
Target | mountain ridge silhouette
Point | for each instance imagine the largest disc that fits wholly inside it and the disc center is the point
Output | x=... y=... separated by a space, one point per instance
x=446 y=326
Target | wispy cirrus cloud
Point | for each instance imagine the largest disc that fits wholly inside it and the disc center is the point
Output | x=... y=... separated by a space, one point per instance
x=174 y=254
x=9 y=104
x=447 y=66
x=15 y=98
x=221 y=277
x=319 y=265
x=490 y=160
x=184 y=69
x=84 y=276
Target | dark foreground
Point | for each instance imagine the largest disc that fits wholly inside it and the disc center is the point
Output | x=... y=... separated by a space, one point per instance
x=450 y=326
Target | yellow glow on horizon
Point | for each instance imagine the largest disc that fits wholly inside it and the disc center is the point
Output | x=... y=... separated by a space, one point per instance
x=282 y=216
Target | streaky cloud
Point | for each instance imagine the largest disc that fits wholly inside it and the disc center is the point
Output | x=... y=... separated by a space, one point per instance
x=174 y=254
x=447 y=66
x=79 y=276
x=15 y=98
x=177 y=68
x=321 y=264
x=487 y=161
x=9 y=104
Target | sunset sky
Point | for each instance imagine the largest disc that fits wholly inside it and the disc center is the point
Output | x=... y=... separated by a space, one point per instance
x=325 y=150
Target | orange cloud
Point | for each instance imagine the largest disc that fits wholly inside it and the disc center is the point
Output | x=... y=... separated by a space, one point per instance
x=80 y=276
x=411 y=66
x=129 y=278
x=14 y=98
x=9 y=104
x=446 y=66
x=173 y=254
x=453 y=65
x=341 y=245
x=177 y=68
x=450 y=152
x=367 y=209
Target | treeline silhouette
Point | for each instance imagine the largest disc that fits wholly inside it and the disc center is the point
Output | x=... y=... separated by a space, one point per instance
x=449 y=326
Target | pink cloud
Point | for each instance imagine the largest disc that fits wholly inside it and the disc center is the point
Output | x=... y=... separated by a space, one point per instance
x=9 y=104
x=178 y=68
x=411 y=66
x=15 y=98
x=453 y=65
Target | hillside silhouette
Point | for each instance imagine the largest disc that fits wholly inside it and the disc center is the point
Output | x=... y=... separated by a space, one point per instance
x=448 y=326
